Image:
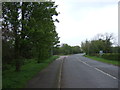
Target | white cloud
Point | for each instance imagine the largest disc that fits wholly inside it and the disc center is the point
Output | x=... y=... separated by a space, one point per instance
x=78 y=21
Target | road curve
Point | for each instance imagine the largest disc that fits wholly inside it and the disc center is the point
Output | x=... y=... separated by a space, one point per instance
x=81 y=72
x=76 y=71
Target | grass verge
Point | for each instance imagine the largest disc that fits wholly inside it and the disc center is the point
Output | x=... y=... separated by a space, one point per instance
x=12 y=79
x=104 y=60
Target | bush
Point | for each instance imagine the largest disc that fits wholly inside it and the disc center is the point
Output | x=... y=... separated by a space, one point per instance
x=94 y=54
x=111 y=56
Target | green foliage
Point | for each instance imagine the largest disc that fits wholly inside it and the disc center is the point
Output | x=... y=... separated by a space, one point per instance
x=116 y=49
x=114 y=62
x=94 y=46
x=111 y=56
x=13 y=79
x=66 y=49
x=28 y=31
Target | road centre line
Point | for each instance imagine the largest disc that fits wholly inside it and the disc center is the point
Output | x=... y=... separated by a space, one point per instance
x=85 y=63
x=99 y=70
x=105 y=73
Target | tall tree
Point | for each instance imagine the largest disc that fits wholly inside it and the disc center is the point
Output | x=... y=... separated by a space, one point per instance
x=29 y=29
x=11 y=22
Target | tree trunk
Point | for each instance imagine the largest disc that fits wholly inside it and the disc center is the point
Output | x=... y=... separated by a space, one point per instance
x=17 y=62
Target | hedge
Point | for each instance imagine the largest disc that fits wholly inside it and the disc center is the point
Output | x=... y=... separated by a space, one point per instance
x=111 y=56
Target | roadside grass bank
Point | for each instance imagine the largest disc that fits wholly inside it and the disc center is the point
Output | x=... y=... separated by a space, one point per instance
x=114 y=62
x=12 y=79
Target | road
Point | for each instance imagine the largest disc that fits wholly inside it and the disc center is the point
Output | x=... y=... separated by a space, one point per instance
x=76 y=71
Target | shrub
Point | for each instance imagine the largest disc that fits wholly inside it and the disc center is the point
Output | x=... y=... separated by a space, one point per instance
x=111 y=56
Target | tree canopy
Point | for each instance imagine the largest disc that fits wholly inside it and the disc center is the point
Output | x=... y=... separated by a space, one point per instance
x=102 y=42
x=28 y=31
x=66 y=49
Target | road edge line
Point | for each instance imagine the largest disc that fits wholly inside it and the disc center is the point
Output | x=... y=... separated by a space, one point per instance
x=60 y=74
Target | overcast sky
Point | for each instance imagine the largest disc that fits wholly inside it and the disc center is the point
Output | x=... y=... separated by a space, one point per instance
x=83 y=19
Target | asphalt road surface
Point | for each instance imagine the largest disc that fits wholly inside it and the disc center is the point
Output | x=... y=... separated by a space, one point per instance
x=76 y=71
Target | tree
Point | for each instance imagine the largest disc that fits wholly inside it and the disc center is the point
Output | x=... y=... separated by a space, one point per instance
x=43 y=35
x=28 y=30
x=102 y=42
x=86 y=46
x=11 y=25
x=66 y=49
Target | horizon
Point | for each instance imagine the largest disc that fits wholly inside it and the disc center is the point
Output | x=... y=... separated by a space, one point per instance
x=81 y=20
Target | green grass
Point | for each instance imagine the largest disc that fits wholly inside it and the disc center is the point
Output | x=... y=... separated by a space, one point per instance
x=12 y=79
x=104 y=60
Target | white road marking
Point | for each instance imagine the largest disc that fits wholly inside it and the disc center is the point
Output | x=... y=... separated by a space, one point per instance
x=60 y=72
x=99 y=70
x=59 y=80
x=85 y=63
x=105 y=73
